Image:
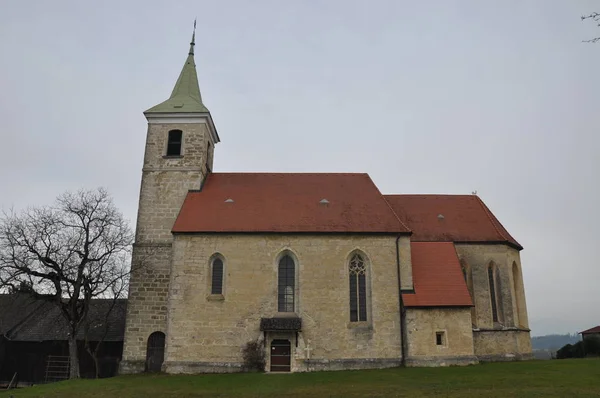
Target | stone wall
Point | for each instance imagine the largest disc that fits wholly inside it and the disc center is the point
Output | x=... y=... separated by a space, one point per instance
x=478 y=258
x=454 y=324
x=165 y=183
x=207 y=333
x=508 y=338
x=166 y=180
x=502 y=345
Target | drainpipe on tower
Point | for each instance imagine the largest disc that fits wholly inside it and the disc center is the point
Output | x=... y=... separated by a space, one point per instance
x=401 y=308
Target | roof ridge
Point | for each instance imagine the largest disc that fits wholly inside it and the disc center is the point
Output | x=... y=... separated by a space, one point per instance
x=394 y=213
x=290 y=173
x=489 y=215
x=388 y=204
x=427 y=194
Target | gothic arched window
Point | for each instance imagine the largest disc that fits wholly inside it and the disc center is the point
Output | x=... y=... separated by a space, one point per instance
x=495 y=293
x=492 y=282
x=358 y=289
x=286 y=284
x=216 y=286
x=517 y=290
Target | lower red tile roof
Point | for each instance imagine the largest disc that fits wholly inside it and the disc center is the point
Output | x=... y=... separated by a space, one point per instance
x=449 y=218
x=592 y=330
x=437 y=277
x=288 y=202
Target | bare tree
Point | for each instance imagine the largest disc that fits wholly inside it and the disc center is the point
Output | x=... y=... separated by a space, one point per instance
x=100 y=322
x=595 y=17
x=68 y=253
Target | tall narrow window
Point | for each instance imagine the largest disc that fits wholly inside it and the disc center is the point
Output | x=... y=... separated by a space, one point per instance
x=217 y=277
x=174 y=143
x=516 y=280
x=467 y=275
x=208 y=156
x=491 y=280
x=286 y=284
x=358 y=289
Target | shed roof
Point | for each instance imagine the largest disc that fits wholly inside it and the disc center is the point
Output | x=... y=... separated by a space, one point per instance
x=437 y=277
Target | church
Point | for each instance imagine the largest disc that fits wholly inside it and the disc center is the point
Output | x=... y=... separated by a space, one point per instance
x=324 y=270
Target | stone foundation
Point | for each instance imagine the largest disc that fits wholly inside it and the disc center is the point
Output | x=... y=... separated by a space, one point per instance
x=434 y=361
x=189 y=367
x=131 y=367
x=312 y=365
x=502 y=344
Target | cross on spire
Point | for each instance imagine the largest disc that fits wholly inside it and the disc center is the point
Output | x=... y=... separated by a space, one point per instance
x=193 y=43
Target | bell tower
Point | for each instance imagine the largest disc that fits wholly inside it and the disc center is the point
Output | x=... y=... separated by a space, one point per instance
x=179 y=155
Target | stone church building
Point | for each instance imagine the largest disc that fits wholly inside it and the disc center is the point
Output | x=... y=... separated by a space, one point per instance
x=324 y=269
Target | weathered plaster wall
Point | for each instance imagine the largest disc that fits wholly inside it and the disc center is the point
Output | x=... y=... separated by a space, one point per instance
x=208 y=332
x=422 y=326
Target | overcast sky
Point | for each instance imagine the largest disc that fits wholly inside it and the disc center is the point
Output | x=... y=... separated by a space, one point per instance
x=440 y=96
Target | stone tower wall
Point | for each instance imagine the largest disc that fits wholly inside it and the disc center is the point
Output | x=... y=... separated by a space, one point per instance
x=165 y=183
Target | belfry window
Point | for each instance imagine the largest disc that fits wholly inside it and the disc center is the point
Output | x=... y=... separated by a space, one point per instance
x=174 y=143
x=217 y=277
x=286 y=284
x=358 y=289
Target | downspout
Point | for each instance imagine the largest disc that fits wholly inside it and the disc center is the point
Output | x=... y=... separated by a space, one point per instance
x=401 y=308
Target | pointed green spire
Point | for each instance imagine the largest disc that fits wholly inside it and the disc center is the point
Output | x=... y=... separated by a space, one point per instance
x=185 y=97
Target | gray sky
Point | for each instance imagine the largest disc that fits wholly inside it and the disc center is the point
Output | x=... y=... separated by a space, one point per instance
x=427 y=97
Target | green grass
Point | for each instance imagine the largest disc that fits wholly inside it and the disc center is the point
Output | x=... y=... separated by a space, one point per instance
x=558 y=378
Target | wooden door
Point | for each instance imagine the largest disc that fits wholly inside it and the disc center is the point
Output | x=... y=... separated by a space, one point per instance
x=155 y=353
x=281 y=351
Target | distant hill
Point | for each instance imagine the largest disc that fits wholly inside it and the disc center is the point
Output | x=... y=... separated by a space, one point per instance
x=553 y=341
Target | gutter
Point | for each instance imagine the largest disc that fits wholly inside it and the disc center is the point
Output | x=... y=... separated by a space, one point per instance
x=401 y=308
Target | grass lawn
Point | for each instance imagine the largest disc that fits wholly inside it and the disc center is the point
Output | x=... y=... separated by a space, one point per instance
x=558 y=378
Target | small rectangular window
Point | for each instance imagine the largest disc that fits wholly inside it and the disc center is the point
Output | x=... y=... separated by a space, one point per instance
x=440 y=338
x=174 y=143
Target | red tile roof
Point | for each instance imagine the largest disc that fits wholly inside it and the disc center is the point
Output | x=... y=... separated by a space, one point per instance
x=464 y=218
x=437 y=277
x=592 y=330
x=288 y=202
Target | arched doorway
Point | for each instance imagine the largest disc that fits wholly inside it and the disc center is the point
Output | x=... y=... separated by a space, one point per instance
x=281 y=351
x=155 y=352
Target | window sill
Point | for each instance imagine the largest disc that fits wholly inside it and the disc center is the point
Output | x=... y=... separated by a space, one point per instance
x=172 y=156
x=286 y=315
x=215 y=297
x=364 y=325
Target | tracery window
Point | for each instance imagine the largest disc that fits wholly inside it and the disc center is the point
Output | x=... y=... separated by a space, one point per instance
x=358 y=289
x=286 y=284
